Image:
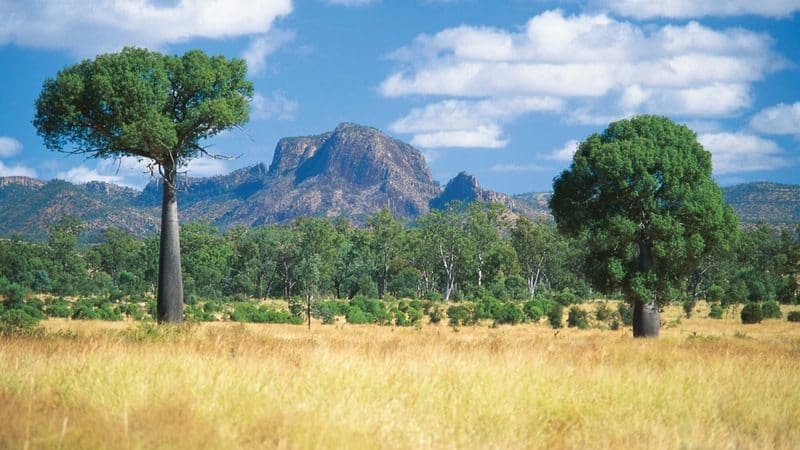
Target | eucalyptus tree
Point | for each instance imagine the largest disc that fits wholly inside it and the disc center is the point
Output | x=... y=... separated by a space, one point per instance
x=154 y=107
x=642 y=195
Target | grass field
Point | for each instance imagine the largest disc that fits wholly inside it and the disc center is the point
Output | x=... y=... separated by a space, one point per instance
x=704 y=384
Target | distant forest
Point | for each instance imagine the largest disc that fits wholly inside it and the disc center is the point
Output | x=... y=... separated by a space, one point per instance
x=465 y=252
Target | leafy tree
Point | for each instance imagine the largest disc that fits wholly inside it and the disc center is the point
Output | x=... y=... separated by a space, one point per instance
x=68 y=267
x=483 y=233
x=444 y=236
x=642 y=195
x=207 y=256
x=142 y=104
x=384 y=233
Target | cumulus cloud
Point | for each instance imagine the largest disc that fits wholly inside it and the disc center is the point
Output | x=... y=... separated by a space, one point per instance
x=274 y=106
x=742 y=152
x=566 y=152
x=83 y=174
x=16 y=171
x=778 y=119
x=9 y=146
x=593 y=66
x=467 y=123
x=206 y=167
x=262 y=46
x=87 y=28
x=684 y=9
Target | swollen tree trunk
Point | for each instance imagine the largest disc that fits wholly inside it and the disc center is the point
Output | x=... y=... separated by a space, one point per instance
x=170 y=278
x=646 y=320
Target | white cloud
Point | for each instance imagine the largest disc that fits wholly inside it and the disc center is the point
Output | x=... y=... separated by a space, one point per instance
x=9 y=146
x=83 y=174
x=593 y=66
x=778 y=119
x=350 y=2
x=16 y=171
x=206 y=167
x=566 y=152
x=262 y=46
x=517 y=168
x=741 y=152
x=644 y=9
x=468 y=123
x=276 y=106
x=87 y=28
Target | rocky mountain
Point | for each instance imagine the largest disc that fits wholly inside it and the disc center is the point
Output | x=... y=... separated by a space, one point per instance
x=352 y=171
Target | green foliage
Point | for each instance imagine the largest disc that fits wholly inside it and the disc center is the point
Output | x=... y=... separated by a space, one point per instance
x=793 y=316
x=642 y=195
x=577 y=317
x=751 y=313
x=602 y=312
x=459 y=315
x=688 y=307
x=625 y=312
x=511 y=314
x=716 y=311
x=536 y=309
x=715 y=293
x=58 y=307
x=356 y=315
x=250 y=312
x=555 y=315
x=18 y=321
x=771 y=310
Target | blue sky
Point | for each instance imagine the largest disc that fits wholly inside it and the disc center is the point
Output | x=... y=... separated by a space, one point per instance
x=502 y=89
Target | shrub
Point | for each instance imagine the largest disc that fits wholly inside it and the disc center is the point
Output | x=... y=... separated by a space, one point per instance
x=533 y=311
x=771 y=310
x=566 y=297
x=625 y=313
x=356 y=316
x=58 y=308
x=715 y=293
x=459 y=315
x=688 y=307
x=18 y=322
x=793 y=316
x=325 y=311
x=716 y=311
x=751 y=313
x=435 y=314
x=489 y=308
x=511 y=314
x=84 y=309
x=602 y=312
x=555 y=315
x=577 y=318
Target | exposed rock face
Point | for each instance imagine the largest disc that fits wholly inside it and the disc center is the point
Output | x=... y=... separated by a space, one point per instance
x=352 y=171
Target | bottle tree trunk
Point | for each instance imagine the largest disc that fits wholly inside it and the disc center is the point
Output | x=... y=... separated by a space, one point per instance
x=646 y=320
x=170 y=277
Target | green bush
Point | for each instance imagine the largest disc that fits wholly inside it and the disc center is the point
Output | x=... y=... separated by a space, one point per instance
x=793 y=316
x=751 y=313
x=533 y=311
x=566 y=297
x=625 y=312
x=249 y=312
x=435 y=314
x=771 y=310
x=602 y=312
x=555 y=315
x=459 y=315
x=688 y=307
x=511 y=314
x=18 y=322
x=84 y=309
x=58 y=307
x=716 y=311
x=356 y=316
x=577 y=317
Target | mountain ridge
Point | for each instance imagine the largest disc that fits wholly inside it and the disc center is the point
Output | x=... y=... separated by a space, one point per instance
x=352 y=171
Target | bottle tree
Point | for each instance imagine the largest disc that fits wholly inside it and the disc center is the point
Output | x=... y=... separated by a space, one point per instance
x=155 y=107
x=642 y=196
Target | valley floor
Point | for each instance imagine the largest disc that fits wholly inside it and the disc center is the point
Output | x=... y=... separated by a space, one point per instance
x=704 y=384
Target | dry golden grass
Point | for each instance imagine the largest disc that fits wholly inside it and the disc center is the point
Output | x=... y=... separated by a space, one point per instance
x=703 y=384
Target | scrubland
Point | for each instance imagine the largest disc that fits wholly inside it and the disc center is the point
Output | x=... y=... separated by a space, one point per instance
x=703 y=384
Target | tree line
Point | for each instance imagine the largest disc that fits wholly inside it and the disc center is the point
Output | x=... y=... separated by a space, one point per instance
x=466 y=252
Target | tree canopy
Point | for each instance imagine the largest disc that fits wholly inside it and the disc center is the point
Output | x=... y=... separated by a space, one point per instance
x=642 y=195
x=138 y=103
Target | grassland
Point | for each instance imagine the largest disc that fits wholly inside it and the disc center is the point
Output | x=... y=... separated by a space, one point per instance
x=704 y=384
